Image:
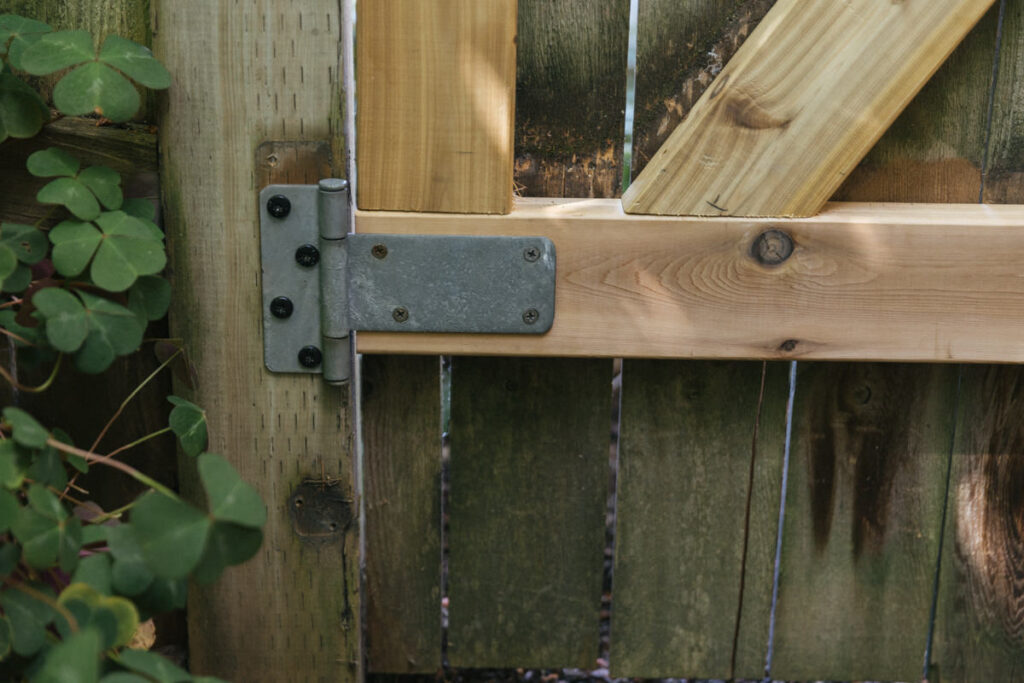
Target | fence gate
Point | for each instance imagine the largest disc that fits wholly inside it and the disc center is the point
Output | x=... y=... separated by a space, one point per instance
x=817 y=463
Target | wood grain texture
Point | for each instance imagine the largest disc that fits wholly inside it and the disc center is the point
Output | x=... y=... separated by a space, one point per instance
x=798 y=106
x=866 y=282
x=436 y=101
x=130 y=150
x=979 y=632
x=695 y=437
x=401 y=431
x=681 y=46
x=529 y=472
x=866 y=485
x=978 y=629
x=570 y=90
x=267 y=72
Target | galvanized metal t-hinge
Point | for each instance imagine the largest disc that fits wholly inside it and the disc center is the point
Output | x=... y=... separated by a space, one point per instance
x=321 y=281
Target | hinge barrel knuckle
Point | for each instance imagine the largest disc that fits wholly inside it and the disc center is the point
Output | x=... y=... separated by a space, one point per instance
x=333 y=225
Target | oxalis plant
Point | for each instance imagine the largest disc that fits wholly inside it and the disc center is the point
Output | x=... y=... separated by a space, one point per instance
x=78 y=580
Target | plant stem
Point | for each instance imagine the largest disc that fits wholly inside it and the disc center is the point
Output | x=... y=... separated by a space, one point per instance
x=99 y=519
x=44 y=598
x=147 y=437
x=17 y=337
x=32 y=390
x=132 y=395
x=116 y=464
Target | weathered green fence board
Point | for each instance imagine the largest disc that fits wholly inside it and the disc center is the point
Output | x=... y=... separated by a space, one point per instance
x=860 y=540
x=401 y=431
x=687 y=459
x=529 y=473
x=570 y=94
x=843 y=613
x=979 y=630
x=530 y=438
x=694 y=564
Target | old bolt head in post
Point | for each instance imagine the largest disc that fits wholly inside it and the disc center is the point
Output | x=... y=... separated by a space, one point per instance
x=279 y=206
x=531 y=254
x=400 y=314
x=310 y=357
x=379 y=251
x=530 y=316
x=772 y=247
x=281 y=307
x=307 y=256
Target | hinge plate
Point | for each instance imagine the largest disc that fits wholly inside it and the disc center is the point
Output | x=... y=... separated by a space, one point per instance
x=394 y=283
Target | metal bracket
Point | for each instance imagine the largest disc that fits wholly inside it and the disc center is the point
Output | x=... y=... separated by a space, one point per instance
x=321 y=282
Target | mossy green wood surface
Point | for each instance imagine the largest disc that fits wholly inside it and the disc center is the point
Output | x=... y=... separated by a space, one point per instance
x=688 y=428
x=570 y=97
x=244 y=75
x=693 y=569
x=401 y=431
x=853 y=608
x=979 y=629
x=861 y=535
x=530 y=437
x=529 y=484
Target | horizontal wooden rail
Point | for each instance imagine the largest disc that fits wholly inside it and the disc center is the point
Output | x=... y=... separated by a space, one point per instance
x=908 y=282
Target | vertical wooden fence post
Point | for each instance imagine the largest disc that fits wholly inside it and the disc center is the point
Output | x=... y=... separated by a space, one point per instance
x=245 y=74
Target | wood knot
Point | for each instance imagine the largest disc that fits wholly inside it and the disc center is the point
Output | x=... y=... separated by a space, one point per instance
x=772 y=247
x=788 y=345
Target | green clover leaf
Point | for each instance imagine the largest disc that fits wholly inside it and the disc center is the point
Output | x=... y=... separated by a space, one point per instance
x=74 y=243
x=113 y=331
x=135 y=61
x=56 y=51
x=76 y=659
x=150 y=297
x=21 y=33
x=231 y=498
x=22 y=111
x=26 y=431
x=105 y=183
x=29 y=619
x=128 y=250
x=27 y=242
x=71 y=194
x=52 y=162
x=228 y=544
x=188 y=422
x=67 y=324
x=8 y=263
x=130 y=574
x=95 y=88
x=171 y=533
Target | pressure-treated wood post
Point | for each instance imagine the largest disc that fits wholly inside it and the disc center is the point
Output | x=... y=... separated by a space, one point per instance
x=243 y=75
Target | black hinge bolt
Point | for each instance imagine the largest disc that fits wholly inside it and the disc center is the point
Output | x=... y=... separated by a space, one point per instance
x=400 y=314
x=307 y=256
x=279 y=206
x=310 y=357
x=531 y=254
x=530 y=316
x=281 y=307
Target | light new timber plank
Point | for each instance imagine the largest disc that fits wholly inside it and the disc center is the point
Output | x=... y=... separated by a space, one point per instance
x=865 y=282
x=243 y=75
x=436 y=101
x=801 y=102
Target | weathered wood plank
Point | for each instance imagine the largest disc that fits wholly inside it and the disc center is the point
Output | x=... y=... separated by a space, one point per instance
x=866 y=484
x=798 y=106
x=436 y=101
x=401 y=432
x=932 y=153
x=130 y=150
x=290 y=436
x=865 y=281
x=978 y=630
x=529 y=472
x=694 y=563
x=570 y=89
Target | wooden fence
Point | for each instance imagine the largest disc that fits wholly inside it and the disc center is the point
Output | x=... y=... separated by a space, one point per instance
x=903 y=534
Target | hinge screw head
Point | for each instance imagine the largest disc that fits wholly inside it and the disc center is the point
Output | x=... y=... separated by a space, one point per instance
x=530 y=316
x=281 y=307
x=400 y=314
x=531 y=254
x=307 y=256
x=310 y=357
x=379 y=251
x=279 y=206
